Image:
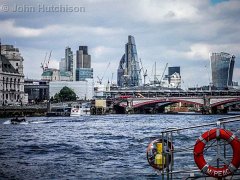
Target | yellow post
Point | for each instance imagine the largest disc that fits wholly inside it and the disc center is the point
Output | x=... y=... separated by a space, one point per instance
x=159 y=159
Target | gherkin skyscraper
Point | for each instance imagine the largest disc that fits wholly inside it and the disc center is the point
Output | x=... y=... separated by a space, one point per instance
x=129 y=74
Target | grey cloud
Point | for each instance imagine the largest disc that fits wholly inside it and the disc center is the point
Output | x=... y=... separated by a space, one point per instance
x=162 y=33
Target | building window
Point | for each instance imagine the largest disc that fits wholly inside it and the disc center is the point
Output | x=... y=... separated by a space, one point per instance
x=6 y=96
x=11 y=83
x=3 y=83
x=16 y=64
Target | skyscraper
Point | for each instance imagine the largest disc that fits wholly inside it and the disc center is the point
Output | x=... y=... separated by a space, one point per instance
x=129 y=71
x=120 y=73
x=83 y=59
x=69 y=59
x=82 y=65
x=222 y=65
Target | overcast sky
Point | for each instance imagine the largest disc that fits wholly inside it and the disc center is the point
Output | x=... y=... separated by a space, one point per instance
x=177 y=32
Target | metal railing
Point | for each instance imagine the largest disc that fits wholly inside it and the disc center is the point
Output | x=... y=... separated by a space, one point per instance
x=167 y=136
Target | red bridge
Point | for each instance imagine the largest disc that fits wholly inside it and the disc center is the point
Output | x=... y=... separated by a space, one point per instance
x=208 y=104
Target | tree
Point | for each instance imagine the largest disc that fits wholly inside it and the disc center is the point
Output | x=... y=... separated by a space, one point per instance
x=65 y=94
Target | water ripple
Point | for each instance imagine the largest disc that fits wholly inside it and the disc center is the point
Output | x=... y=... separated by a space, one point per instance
x=91 y=147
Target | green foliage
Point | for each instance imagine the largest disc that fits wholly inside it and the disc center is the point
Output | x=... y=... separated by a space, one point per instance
x=65 y=94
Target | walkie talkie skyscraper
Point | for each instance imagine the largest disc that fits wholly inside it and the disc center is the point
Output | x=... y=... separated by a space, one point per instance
x=222 y=65
x=129 y=73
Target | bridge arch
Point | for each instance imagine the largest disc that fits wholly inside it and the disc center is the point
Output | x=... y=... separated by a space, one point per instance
x=227 y=101
x=170 y=101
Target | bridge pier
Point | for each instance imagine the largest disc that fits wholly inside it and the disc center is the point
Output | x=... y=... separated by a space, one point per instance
x=219 y=110
x=129 y=108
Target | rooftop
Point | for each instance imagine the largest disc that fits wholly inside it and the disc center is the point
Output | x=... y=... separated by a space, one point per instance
x=7 y=66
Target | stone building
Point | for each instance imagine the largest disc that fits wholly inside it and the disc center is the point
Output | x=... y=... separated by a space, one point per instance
x=11 y=76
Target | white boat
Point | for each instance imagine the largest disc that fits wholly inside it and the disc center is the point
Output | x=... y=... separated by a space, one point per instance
x=76 y=111
x=80 y=110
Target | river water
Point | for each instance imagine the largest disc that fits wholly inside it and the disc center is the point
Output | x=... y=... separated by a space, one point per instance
x=92 y=147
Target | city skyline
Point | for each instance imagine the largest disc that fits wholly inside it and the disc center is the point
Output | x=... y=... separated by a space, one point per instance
x=181 y=35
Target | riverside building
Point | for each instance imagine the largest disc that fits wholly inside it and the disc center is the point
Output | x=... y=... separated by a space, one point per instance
x=11 y=76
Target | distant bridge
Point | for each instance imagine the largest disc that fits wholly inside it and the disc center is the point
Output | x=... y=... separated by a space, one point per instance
x=151 y=93
x=213 y=101
x=208 y=103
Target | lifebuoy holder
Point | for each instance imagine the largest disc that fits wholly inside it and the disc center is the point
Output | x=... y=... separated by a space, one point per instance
x=229 y=167
x=151 y=149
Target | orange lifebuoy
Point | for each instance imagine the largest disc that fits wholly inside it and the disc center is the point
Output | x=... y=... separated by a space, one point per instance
x=227 y=169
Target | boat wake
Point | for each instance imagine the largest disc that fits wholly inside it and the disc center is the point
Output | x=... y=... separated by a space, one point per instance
x=41 y=122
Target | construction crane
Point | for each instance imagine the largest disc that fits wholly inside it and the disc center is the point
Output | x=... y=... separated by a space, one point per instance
x=144 y=73
x=46 y=67
x=154 y=74
x=100 y=79
x=44 y=64
x=163 y=73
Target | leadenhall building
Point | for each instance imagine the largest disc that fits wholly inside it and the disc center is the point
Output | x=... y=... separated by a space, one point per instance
x=11 y=75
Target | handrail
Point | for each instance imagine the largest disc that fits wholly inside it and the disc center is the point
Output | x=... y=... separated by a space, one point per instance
x=219 y=121
x=167 y=135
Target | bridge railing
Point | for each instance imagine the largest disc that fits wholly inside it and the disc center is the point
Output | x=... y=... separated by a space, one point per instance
x=154 y=93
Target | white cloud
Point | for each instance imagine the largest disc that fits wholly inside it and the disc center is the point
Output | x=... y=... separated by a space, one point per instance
x=155 y=11
x=11 y=30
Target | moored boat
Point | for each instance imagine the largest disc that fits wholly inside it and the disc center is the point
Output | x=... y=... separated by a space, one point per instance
x=76 y=111
x=59 y=111
x=80 y=110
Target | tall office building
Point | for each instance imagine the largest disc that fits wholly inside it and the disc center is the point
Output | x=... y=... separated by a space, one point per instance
x=69 y=59
x=129 y=73
x=120 y=72
x=83 y=59
x=222 y=65
x=82 y=65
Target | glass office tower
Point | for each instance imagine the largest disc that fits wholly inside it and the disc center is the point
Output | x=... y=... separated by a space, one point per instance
x=69 y=59
x=84 y=73
x=222 y=65
x=120 y=73
x=129 y=71
x=83 y=58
